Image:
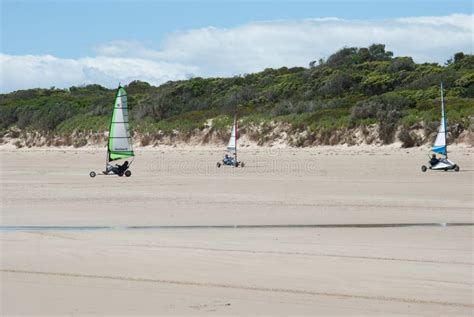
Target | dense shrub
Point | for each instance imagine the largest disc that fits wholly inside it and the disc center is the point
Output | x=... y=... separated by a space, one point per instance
x=408 y=138
x=354 y=86
x=7 y=117
x=430 y=128
x=336 y=84
x=377 y=107
x=376 y=84
x=386 y=109
x=388 y=122
x=402 y=63
x=353 y=55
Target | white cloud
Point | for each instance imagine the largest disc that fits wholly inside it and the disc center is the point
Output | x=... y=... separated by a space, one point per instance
x=248 y=48
x=28 y=71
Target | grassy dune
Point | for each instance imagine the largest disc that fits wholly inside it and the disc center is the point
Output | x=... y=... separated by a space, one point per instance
x=354 y=90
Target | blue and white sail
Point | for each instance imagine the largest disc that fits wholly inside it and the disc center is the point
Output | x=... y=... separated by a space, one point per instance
x=440 y=145
x=232 y=145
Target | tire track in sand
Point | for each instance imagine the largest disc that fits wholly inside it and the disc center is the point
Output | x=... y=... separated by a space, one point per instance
x=329 y=255
x=243 y=287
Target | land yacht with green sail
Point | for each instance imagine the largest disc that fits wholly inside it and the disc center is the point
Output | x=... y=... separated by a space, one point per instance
x=119 y=145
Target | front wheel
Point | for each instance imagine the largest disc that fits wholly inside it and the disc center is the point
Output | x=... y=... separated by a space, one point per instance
x=92 y=174
x=242 y=164
x=128 y=173
x=218 y=164
x=423 y=168
x=456 y=168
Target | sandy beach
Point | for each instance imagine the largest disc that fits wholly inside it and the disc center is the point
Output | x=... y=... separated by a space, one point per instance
x=327 y=230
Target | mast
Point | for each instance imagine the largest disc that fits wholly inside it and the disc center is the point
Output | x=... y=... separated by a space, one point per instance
x=110 y=128
x=443 y=113
x=236 y=133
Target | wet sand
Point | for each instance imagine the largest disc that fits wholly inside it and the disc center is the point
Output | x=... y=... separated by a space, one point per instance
x=234 y=269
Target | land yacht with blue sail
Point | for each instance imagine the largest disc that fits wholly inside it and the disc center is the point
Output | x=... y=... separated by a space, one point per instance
x=440 y=146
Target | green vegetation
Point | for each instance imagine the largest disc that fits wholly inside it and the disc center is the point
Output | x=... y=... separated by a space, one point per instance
x=355 y=87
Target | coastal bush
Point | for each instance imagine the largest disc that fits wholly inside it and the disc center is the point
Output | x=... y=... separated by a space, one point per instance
x=408 y=138
x=402 y=64
x=336 y=84
x=352 y=87
x=386 y=109
x=376 y=84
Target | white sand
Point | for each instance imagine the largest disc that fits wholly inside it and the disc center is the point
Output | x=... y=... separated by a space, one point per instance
x=402 y=270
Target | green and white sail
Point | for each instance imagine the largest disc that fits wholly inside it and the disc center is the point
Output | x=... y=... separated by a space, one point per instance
x=440 y=145
x=120 y=141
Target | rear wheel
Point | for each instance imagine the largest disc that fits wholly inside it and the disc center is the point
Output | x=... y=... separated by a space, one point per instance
x=423 y=168
x=456 y=168
x=92 y=174
x=120 y=174
x=236 y=164
x=128 y=173
x=446 y=169
x=218 y=164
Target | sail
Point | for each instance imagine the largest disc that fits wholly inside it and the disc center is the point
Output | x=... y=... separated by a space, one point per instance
x=120 y=142
x=440 y=143
x=232 y=146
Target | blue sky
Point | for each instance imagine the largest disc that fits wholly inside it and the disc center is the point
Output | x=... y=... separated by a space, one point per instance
x=72 y=28
x=178 y=39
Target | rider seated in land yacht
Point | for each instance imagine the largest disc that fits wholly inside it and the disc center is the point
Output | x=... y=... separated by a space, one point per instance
x=434 y=160
x=228 y=159
x=117 y=169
